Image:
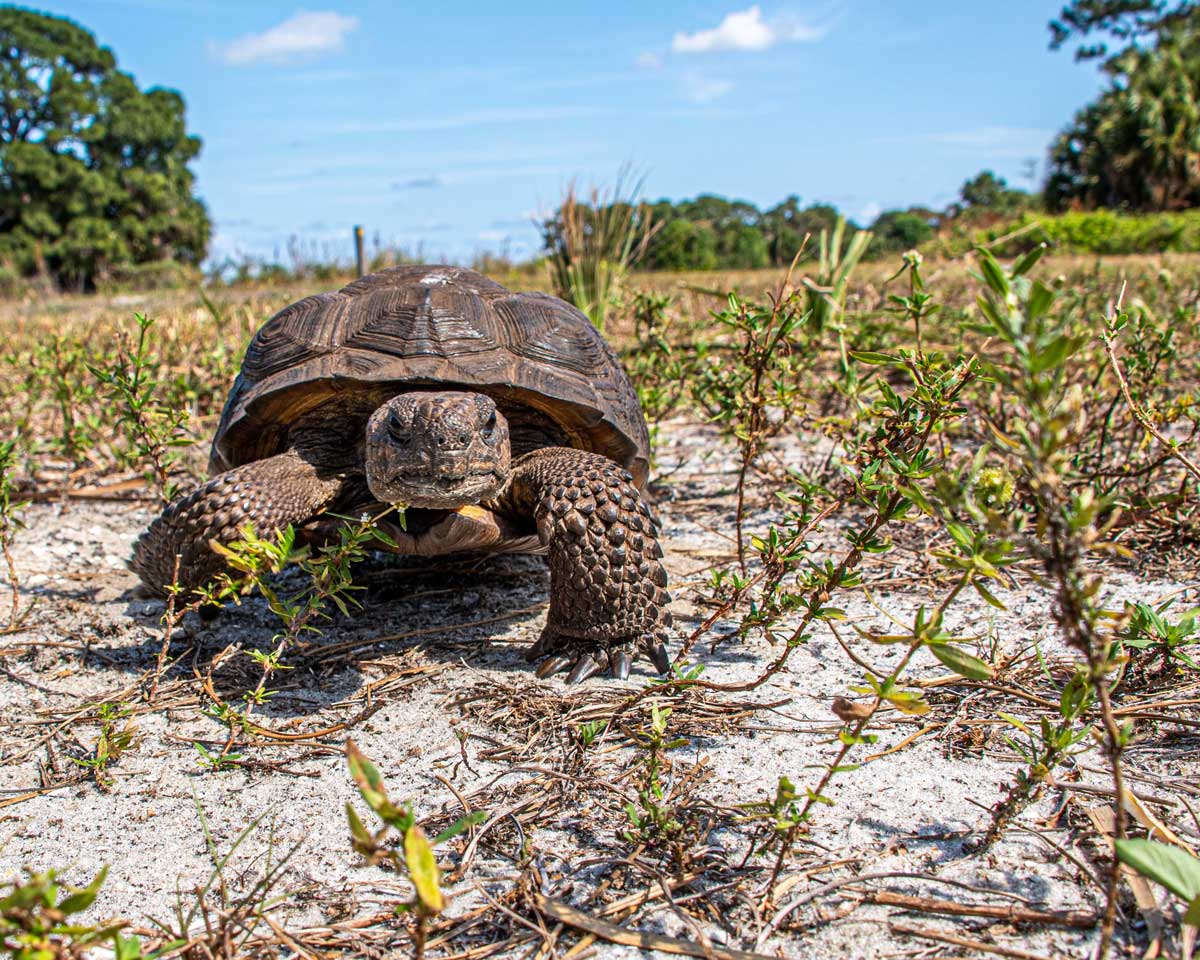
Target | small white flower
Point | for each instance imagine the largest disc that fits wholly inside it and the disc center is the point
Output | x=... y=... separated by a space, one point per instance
x=364 y=518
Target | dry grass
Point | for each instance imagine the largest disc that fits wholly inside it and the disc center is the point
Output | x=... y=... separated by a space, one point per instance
x=611 y=821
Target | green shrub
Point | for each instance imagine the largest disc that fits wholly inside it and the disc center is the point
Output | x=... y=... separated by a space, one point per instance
x=1098 y=232
x=144 y=277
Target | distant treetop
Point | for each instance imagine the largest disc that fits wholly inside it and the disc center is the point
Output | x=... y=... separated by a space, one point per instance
x=1126 y=21
x=94 y=171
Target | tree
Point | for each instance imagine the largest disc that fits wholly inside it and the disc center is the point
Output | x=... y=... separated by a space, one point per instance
x=683 y=245
x=93 y=170
x=1127 y=21
x=786 y=225
x=986 y=191
x=1138 y=146
x=895 y=231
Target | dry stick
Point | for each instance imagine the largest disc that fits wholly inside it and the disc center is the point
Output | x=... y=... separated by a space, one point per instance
x=14 y=581
x=751 y=446
x=169 y=622
x=1006 y=914
x=1139 y=415
x=926 y=934
x=1080 y=636
x=732 y=602
x=562 y=913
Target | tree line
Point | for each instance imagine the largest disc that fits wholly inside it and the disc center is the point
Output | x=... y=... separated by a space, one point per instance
x=95 y=176
x=713 y=233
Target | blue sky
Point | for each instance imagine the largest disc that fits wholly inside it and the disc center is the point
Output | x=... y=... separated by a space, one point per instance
x=444 y=128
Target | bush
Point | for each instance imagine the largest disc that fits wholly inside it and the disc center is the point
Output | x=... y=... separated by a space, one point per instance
x=896 y=231
x=683 y=245
x=142 y=277
x=13 y=286
x=1099 y=232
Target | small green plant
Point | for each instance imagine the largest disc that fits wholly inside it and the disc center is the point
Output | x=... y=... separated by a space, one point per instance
x=1159 y=643
x=59 y=368
x=1063 y=526
x=330 y=581
x=590 y=730
x=1044 y=746
x=661 y=372
x=114 y=739
x=590 y=245
x=653 y=819
x=211 y=759
x=154 y=431
x=418 y=859
x=35 y=921
x=827 y=293
x=753 y=393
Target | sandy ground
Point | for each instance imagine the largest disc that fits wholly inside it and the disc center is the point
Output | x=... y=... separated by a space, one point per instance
x=439 y=667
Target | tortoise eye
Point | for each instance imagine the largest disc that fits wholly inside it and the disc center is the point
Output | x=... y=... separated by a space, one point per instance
x=489 y=428
x=398 y=432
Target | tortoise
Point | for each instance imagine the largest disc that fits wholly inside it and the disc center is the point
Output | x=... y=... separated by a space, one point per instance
x=501 y=422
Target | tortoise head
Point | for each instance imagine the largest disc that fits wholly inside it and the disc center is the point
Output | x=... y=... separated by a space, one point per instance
x=437 y=450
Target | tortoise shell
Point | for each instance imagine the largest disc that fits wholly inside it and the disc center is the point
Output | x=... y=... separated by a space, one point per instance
x=435 y=327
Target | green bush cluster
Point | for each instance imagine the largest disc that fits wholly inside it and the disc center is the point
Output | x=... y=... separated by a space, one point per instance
x=1099 y=232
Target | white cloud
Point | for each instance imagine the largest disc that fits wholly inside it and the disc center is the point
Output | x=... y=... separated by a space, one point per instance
x=746 y=30
x=997 y=141
x=475 y=118
x=305 y=34
x=704 y=89
x=649 y=60
x=431 y=182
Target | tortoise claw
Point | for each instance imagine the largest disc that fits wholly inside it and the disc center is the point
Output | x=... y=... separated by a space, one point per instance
x=535 y=651
x=660 y=659
x=584 y=667
x=620 y=663
x=554 y=665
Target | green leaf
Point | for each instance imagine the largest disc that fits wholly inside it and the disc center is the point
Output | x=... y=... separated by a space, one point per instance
x=1027 y=262
x=961 y=662
x=370 y=786
x=423 y=869
x=987 y=595
x=992 y=274
x=459 y=825
x=908 y=703
x=357 y=830
x=82 y=899
x=1173 y=868
x=867 y=356
x=1053 y=354
x=1041 y=299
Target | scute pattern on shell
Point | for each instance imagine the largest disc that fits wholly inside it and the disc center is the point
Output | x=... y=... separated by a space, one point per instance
x=432 y=326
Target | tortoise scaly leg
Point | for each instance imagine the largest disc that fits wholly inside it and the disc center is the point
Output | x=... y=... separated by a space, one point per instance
x=269 y=493
x=608 y=601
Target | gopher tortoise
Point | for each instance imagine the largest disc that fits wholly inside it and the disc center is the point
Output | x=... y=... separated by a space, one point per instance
x=501 y=422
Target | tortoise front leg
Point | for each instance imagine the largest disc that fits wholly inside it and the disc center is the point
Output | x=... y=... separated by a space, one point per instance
x=608 y=600
x=269 y=494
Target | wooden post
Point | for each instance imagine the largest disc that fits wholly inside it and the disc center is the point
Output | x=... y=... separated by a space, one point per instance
x=358 y=250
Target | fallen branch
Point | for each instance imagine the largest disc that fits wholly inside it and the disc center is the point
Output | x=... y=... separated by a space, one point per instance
x=562 y=913
x=1007 y=913
x=1002 y=951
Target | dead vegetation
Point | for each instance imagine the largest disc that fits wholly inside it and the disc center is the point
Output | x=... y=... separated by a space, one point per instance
x=934 y=560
